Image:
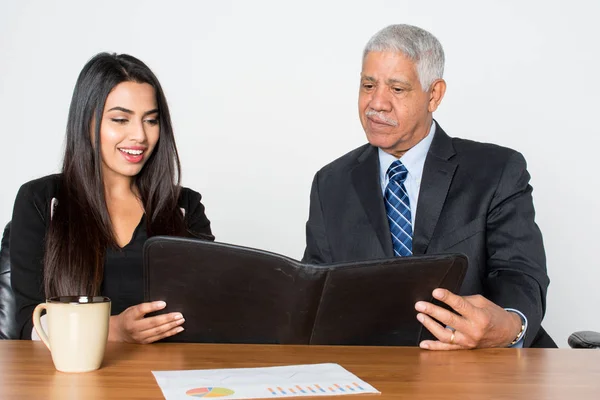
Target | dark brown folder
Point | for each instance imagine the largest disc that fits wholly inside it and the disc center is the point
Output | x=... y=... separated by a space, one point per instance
x=234 y=294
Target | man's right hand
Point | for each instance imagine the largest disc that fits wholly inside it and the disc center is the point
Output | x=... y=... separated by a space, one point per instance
x=131 y=327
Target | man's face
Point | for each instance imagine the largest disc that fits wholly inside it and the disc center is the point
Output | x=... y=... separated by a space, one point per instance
x=394 y=110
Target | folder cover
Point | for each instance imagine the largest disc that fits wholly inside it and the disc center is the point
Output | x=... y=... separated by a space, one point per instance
x=234 y=294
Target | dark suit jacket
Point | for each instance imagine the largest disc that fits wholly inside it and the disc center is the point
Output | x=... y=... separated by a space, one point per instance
x=474 y=199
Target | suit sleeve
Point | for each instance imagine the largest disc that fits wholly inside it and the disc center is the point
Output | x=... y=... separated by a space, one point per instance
x=516 y=276
x=196 y=221
x=27 y=235
x=317 y=246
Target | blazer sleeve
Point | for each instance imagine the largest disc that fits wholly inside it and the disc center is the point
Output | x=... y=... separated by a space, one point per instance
x=317 y=246
x=28 y=231
x=195 y=218
x=516 y=269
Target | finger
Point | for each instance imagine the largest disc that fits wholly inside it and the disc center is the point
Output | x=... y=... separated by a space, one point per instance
x=160 y=327
x=145 y=308
x=159 y=320
x=458 y=303
x=437 y=345
x=163 y=335
x=437 y=330
x=477 y=301
x=448 y=318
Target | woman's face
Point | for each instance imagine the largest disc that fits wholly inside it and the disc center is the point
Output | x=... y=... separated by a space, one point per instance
x=129 y=129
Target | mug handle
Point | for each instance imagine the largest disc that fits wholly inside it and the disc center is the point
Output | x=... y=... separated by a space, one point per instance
x=37 y=324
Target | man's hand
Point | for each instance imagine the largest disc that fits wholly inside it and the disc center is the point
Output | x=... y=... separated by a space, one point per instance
x=130 y=326
x=480 y=324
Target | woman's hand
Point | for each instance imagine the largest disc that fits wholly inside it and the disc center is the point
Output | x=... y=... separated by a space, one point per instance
x=130 y=326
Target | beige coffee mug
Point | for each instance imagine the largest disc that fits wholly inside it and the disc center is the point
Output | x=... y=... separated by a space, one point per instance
x=77 y=331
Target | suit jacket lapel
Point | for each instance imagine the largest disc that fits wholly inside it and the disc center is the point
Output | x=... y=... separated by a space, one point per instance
x=365 y=178
x=438 y=172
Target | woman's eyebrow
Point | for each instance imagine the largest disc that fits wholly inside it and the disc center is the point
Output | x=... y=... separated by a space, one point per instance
x=154 y=111
x=125 y=110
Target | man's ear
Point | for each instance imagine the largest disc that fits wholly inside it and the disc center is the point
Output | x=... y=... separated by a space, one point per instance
x=436 y=94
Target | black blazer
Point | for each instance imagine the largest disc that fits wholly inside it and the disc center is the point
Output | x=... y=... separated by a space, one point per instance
x=474 y=199
x=122 y=267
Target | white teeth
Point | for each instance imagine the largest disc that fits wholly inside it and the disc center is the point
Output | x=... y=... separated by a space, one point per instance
x=133 y=152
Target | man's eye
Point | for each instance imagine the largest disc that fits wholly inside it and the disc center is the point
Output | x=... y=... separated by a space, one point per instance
x=119 y=120
x=368 y=86
x=398 y=90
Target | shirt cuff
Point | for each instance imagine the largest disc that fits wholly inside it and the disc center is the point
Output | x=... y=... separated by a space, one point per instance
x=519 y=343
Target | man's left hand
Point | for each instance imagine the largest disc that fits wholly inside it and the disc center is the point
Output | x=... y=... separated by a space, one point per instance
x=480 y=324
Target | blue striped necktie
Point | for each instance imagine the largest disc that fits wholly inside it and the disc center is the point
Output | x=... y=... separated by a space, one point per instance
x=397 y=206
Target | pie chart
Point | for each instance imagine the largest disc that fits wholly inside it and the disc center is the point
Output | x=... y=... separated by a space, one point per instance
x=209 y=392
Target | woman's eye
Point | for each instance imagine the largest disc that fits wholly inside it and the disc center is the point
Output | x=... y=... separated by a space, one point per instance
x=152 y=121
x=119 y=120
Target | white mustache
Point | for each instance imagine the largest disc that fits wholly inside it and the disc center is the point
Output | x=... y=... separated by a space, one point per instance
x=379 y=115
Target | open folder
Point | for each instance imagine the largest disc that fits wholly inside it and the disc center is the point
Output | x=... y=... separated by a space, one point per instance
x=234 y=294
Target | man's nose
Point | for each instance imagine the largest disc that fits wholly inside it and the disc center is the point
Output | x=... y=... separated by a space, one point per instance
x=380 y=100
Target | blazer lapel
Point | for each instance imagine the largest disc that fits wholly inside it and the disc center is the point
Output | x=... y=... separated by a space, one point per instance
x=438 y=172
x=365 y=178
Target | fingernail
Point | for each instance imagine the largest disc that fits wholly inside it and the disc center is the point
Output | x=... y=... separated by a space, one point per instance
x=424 y=345
x=161 y=304
x=180 y=329
x=438 y=294
x=420 y=306
x=420 y=318
x=177 y=316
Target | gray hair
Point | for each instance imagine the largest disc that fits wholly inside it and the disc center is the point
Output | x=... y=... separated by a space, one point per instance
x=415 y=43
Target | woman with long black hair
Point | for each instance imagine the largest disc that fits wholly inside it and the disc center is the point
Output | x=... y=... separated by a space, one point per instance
x=81 y=232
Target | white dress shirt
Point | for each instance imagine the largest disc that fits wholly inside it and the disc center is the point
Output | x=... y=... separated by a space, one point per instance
x=413 y=160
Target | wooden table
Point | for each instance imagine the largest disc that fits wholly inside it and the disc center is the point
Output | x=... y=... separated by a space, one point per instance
x=26 y=370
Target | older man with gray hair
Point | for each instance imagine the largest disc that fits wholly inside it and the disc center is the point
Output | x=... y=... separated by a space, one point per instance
x=415 y=190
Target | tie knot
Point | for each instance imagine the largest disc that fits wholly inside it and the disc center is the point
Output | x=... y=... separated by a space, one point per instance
x=397 y=172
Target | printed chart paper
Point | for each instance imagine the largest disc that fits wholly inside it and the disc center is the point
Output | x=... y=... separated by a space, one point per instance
x=259 y=383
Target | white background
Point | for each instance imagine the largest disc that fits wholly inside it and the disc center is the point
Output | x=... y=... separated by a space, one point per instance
x=264 y=93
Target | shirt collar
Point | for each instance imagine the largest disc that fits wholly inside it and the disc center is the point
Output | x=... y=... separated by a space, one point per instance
x=413 y=159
